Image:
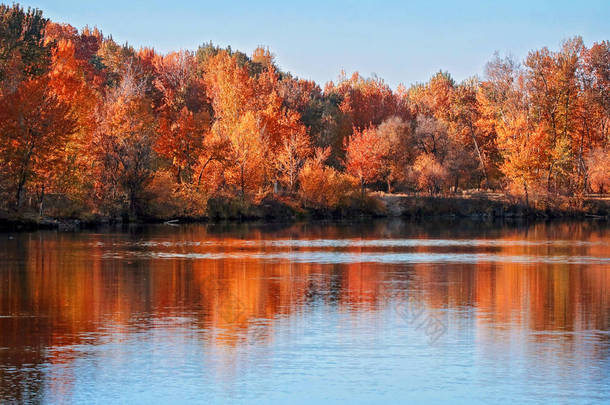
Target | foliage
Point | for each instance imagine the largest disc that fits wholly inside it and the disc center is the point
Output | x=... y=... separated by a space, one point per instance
x=598 y=163
x=123 y=148
x=323 y=186
x=365 y=152
x=430 y=174
x=34 y=130
x=116 y=131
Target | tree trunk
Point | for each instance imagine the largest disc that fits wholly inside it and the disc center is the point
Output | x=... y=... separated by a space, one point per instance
x=242 y=183
x=201 y=172
x=20 y=187
x=41 y=202
x=132 y=204
x=362 y=190
x=476 y=147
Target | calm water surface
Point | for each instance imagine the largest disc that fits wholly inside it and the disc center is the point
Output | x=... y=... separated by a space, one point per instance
x=380 y=312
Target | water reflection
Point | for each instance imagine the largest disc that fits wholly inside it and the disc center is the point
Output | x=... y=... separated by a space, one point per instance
x=306 y=313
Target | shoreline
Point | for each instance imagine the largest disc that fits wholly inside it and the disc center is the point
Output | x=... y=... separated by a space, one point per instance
x=409 y=207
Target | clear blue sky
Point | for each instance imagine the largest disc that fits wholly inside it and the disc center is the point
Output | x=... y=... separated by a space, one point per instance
x=400 y=41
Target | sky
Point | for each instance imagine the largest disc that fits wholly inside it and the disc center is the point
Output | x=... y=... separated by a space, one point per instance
x=399 y=41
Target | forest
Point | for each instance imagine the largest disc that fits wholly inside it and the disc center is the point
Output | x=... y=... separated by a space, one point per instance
x=90 y=127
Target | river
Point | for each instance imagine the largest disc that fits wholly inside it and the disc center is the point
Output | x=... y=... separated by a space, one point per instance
x=366 y=312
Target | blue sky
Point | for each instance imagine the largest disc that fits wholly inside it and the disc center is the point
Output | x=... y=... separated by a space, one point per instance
x=400 y=41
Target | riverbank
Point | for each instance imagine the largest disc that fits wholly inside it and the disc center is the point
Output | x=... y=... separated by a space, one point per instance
x=494 y=205
x=476 y=206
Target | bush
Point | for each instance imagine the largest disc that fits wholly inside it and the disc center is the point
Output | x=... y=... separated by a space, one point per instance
x=223 y=206
x=167 y=199
x=598 y=163
x=323 y=187
x=431 y=175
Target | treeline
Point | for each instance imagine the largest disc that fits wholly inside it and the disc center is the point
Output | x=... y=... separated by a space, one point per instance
x=99 y=127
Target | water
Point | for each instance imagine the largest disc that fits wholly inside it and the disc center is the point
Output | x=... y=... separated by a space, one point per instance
x=377 y=312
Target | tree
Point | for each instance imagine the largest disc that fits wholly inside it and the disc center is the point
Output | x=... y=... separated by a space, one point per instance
x=123 y=145
x=365 y=153
x=233 y=91
x=246 y=155
x=23 y=53
x=399 y=151
x=431 y=136
x=463 y=117
x=323 y=186
x=433 y=98
x=181 y=140
x=552 y=88
x=34 y=130
x=292 y=156
x=184 y=116
x=358 y=103
x=251 y=115
x=593 y=119
x=306 y=98
x=598 y=163
x=77 y=83
x=431 y=175
x=263 y=57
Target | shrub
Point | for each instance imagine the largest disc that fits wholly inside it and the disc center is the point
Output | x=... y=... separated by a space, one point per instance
x=167 y=199
x=431 y=175
x=598 y=163
x=325 y=187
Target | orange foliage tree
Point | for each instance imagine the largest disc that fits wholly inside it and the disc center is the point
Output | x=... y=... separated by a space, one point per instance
x=123 y=147
x=431 y=175
x=184 y=116
x=82 y=116
x=365 y=153
x=323 y=186
x=291 y=157
x=34 y=130
x=250 y=114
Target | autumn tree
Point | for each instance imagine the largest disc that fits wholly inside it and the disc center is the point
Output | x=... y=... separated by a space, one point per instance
x=598 y=162
x=360 y=103
x=431 y=175
x=550 y=80
x=34 y=129
x=306 y=98
x=23 y=52
x=78 y=82
x=291 y=157
x=263 y=57
x=232 y=91
x=123 y=145
x=365 y=153
x=431 y=137
x=506 y=106
x=464 y=114
x=434 y=97
x=184 y=116
x=323 y=186
x=593 y=117
x=246 y=153
x=252 y=116
x=397 y=135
